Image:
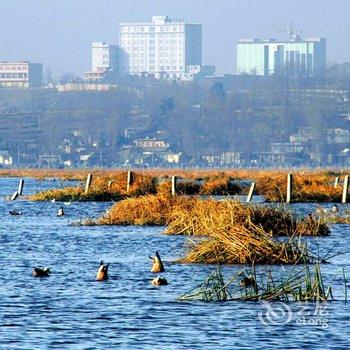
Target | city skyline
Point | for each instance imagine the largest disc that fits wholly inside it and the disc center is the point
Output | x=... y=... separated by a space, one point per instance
x=60 y=35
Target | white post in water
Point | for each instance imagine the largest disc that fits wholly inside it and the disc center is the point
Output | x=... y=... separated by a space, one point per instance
x=336 y=181
x=88 y=182
x=173 y=185
x=289 y=188
x=110 y=184
x=20 y=187
x=129 y=181
x=251 y=191
x=345 y=189
x=14 y=196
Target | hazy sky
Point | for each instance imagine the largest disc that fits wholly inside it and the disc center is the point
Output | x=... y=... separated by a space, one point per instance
x=59 y=33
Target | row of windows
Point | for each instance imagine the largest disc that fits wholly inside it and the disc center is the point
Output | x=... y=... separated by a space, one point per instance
x=152 y=60
x=152 y=29
x=153 y=48
x=13 y=68
x=151 y=36
x=152 y=67
x=152 y=44
x=162 y=58
x=138 y=41
x=13 y=75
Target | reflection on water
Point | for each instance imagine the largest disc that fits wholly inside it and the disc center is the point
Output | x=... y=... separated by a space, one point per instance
x=71 y=310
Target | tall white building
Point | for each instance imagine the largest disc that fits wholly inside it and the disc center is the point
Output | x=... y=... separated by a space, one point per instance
x=164 y=48
x=104 y=56
x=105 y=62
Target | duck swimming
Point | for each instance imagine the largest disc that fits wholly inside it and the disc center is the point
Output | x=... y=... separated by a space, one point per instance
x=60 y=212
x=159 y=281
x=38 y=272
x=15 y=212
x=157 y=265
x=102 y=273
x=335 y=208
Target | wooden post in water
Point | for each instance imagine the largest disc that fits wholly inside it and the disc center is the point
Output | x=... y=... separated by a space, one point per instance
x=129 y=179
x=251 y=191
x=20 y=187
x=173 y=185
x=345 y=189
x=110 y=184
x=14 y=196
x=289 y=188
x=88 y=182
x=336 y=181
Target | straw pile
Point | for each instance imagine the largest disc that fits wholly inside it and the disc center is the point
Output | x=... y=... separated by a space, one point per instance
x=242 y=245
x=203 y=217
x=145 y=210
x=70 y=194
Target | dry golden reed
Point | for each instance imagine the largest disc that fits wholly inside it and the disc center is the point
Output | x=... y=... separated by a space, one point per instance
x=309 y=186
x=246 y=245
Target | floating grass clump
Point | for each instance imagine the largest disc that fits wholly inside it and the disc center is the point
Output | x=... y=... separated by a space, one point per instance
x=242 y=245
x=248 y=285
x=194 y=216
x=202 y=217
x=146 y=210
x=71 y=194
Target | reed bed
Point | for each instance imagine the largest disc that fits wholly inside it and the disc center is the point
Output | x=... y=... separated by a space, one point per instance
x=308 y=186
x=103 y=188
x=202 y=217
x=220 y=184
x=301 y=285
x=242 y=245
x=71 y=194
x=146 y=210
x=195 y=216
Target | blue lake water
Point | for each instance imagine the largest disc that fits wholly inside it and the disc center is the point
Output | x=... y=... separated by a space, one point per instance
x=70 y=310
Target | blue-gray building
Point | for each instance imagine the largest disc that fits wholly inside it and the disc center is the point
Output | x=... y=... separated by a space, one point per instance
x=295 y=57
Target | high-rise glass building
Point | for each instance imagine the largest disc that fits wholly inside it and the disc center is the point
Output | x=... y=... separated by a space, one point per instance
x=164 y=47
x=295 y=57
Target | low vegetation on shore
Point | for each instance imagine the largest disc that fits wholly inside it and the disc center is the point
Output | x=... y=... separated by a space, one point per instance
x=317 y=187
x=272 y=185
